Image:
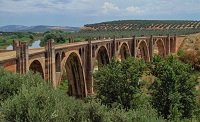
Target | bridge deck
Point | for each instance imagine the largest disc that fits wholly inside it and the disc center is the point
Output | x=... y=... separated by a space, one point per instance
x=36 y=50
x=12 y=54
x=61 y=46
x=7 y=55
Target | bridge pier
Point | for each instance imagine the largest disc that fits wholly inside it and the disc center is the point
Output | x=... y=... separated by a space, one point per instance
x=50 y=71
x=134 y=47
x=22 y=56
x=114 y=47
x=151 y=48
x=168 y=44
x=89 y=69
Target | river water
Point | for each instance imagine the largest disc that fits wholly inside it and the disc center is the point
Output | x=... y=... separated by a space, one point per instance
x=35 y=44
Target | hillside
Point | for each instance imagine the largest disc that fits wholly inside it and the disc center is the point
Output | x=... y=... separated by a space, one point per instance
x=38 y=28
x=144 y=25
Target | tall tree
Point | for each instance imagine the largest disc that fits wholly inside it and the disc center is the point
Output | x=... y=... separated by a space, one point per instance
x=173 y=91
x=119 y=82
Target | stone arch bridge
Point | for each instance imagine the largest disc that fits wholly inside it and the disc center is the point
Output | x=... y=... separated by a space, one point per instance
x=75 y=61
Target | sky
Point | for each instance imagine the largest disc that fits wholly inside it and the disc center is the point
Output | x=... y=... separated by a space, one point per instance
x=77 y=13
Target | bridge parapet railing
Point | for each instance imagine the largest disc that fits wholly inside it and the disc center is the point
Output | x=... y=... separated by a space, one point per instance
x=4 y=50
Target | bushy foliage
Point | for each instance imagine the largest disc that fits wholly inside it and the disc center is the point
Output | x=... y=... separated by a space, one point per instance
x=119 y=83
x=37 y=101
x=57 y=35
x=10 y=83
x=64 y=86
x=173 y=91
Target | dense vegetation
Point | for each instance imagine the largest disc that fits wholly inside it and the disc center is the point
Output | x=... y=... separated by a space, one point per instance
x=121 y=95
x=119 y=83
x=29 y=98
x=173 y=90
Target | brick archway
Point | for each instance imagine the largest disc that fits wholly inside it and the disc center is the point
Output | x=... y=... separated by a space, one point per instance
x=58 y=62
x=10 y=66
x=159 y=48
x=36 y=66
x=72 y=71
x=143 y=51
x=101 y=55
x=124 y=51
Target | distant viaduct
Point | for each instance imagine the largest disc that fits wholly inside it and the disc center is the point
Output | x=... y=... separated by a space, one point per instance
x=75 y=61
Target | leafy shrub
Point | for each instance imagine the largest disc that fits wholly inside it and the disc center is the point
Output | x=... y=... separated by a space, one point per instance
x=10 y=83
x=173 y=91
x=64 y=86
x=119 y=83
x=38 y=101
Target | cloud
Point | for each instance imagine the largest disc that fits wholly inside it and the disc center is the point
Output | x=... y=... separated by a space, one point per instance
x=109 y=7
x=133 y=9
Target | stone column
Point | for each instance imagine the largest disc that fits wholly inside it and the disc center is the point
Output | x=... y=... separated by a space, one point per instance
x=15 y=44
x=167 y=46
x=114 y=47
x=134 y=53
x=50 y=73
x=151 y=48
x=89 y=69
x=22 y=57
x=175 y=48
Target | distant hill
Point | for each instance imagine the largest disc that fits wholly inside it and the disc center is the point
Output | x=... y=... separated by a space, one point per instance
x=39 y=28
x=144 y=25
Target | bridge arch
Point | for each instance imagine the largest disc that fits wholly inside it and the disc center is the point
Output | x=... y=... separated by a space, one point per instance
x=124 y=51
x=101 y=55
x=159 y=48
x=72 y=71
x=36 y=66
x=10 y=66
x=143 y=51
x=58 y=62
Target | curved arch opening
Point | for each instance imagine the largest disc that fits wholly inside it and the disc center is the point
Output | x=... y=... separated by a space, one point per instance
x=102 y=57
x=124 y=52
x=37 y=67
x=73 y=77
x=159 y=48
x=142 y=51
x=63 y=55
x=58 y=62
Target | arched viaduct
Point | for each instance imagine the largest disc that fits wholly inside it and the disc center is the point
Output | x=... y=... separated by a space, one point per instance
x=75 y=61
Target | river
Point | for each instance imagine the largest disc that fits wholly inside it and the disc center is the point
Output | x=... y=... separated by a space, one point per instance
x=35 y=44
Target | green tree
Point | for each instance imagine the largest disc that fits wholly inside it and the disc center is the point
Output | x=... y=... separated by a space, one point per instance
x=119 y=83
x=31 y=36
x=173 y=91
x=37 y=101
x=11 y=83
x=57 y=35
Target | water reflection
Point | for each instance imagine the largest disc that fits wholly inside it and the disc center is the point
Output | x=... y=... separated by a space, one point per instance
x=35 y=44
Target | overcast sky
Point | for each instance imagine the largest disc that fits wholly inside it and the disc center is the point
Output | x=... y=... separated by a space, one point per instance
x=79 y=12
